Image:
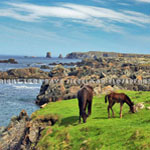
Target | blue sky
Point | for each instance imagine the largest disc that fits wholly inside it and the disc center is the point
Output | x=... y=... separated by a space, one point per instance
x=33 y=27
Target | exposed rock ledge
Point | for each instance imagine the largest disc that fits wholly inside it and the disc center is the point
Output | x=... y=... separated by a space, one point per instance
x=25 y=73
x=23 y=132
x=11 y=61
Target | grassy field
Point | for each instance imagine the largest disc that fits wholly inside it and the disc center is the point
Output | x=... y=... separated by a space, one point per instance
x=132 y=132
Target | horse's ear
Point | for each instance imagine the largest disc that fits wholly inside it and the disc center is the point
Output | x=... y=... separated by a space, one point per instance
x=82 y=85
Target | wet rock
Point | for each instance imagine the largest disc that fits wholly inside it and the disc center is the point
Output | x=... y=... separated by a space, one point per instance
x=45 y=67
x=11 y=61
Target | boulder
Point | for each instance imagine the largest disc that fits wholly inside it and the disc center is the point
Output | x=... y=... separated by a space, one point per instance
x=44 y=67
x=59 y=71
x=148 y=108
x=139 y=106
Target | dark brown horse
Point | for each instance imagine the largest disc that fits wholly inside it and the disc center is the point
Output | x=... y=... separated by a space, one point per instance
x=85 y=96
x=119 y=98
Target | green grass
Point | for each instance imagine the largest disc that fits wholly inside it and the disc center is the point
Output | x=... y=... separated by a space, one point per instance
x=132 y=132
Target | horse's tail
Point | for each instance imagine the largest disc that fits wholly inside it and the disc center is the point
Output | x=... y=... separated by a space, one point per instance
x=106 y=97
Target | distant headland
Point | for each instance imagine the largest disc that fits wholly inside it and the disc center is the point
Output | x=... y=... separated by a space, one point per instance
x=98 y=54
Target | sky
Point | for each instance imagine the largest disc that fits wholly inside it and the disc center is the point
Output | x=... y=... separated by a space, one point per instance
x=34 y=27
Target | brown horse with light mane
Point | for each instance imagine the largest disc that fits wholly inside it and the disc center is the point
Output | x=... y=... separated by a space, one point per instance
x=85 y=96
x=119 y=98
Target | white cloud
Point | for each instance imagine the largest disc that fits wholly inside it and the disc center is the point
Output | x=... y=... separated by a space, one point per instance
x=100 y=17
x=145 y=1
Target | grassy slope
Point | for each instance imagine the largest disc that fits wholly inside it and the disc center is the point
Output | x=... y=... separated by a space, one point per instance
x=132 y=132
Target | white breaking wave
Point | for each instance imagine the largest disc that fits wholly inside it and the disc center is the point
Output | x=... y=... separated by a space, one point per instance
x=25 y=87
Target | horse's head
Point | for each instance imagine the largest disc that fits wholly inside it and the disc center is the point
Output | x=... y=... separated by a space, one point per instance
x=132 y=108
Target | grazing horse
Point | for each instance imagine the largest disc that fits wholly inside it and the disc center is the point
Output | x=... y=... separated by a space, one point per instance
x=85 y=96
x=119 y=98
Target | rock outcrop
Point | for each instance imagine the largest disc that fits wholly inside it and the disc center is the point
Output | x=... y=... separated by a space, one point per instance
x=24 y=73
x=44 y=67
x=11 y=61
x=98 y=54
x=60 y=56
x=48 y=55
x=123 y=73
x=12 y=137
x=23 y=132
x=59 y=71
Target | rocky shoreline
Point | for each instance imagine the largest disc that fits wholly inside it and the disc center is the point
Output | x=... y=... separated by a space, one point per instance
x=89 y=70
x=92 y=70
x=23 y=132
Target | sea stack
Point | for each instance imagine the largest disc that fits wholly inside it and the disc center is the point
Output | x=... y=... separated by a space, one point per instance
x=60 y=56
x=48 y=55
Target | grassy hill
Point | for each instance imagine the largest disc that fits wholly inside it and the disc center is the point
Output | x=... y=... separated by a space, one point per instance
x=132 y=132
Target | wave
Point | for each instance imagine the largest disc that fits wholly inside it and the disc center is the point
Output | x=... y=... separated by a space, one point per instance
x=25 y=87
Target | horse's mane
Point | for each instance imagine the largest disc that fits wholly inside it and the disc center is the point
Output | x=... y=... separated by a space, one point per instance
x=86 y=86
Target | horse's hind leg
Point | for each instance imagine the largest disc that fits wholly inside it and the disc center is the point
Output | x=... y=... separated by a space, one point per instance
x=121 y=106
x=89 y=108
x=108 y=111
x=80 y=113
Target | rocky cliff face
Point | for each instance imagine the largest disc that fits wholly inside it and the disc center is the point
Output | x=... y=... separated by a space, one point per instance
x=23 y=132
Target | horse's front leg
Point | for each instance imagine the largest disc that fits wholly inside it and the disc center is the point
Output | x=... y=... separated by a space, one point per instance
x=121 y=106
x=113 y=114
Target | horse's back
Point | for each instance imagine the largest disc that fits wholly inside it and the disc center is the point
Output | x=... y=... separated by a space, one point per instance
x=117 y=97
x=86 y=93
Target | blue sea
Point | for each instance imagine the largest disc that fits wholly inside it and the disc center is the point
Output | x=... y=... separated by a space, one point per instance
x=15 y=97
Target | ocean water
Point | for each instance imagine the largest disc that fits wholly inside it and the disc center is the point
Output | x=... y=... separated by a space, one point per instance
x=15 y=97
x=24 y=62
